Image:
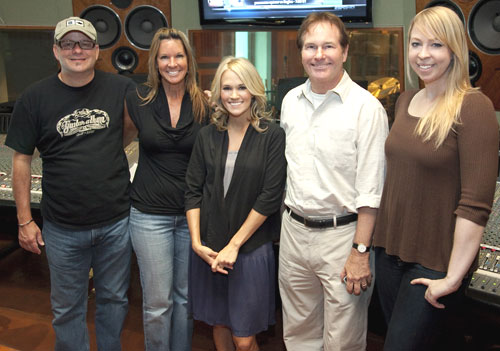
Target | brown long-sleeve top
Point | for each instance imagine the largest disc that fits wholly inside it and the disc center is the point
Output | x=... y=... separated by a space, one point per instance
x=425 y=189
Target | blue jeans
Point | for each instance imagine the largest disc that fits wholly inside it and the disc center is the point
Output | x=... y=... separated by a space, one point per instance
x=71 y=254
x=413 y=323
x=162 y=244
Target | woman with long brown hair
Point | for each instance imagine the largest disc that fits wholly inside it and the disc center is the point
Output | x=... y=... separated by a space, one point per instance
x=166 y=112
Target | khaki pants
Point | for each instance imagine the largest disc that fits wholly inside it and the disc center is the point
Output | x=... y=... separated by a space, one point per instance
x=318 y=313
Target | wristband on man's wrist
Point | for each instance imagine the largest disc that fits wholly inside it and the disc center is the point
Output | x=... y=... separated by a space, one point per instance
x=25 y=224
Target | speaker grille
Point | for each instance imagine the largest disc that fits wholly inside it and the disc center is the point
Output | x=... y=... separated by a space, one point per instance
x=106 y=22
x=484 y=26
x=142 y=23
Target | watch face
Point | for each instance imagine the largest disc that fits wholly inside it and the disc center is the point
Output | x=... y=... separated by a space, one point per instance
x=361 y=248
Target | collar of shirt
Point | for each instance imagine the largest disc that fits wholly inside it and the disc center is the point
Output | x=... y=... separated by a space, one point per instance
x=341 y=90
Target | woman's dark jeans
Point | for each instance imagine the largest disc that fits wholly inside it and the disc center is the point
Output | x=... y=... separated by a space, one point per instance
x=413 y=323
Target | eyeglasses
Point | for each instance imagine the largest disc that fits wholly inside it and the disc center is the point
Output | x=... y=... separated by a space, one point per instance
x=70 y=44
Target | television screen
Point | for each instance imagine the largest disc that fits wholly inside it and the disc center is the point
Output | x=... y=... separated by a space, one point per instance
x=280 y=12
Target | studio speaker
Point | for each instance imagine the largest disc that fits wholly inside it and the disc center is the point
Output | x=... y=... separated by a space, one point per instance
x=481 y=19
x=124 y=30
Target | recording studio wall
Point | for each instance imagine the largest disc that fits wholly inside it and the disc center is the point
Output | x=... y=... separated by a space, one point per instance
x=482 y=23
x=124 y=30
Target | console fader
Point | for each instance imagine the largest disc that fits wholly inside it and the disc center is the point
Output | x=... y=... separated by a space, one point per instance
x=485 y=282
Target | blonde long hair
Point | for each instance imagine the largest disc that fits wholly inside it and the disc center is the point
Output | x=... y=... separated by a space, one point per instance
x=444 y=24
x=200 y=103
x=253 y=82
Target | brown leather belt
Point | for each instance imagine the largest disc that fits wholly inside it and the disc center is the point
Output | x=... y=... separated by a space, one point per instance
x=323 y=223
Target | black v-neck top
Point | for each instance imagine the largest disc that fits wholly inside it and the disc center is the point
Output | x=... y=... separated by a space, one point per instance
x=159 y=182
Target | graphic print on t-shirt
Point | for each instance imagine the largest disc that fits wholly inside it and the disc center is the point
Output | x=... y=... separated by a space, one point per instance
x=82 y=121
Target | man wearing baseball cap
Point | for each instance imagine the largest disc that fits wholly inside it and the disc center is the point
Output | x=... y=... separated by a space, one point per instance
x=75 y=120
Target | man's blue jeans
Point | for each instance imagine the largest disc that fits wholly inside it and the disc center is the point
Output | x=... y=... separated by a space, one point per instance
x=71 y=254
x=162 y=244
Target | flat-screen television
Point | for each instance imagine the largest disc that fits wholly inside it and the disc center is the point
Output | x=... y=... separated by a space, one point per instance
x=280 y=12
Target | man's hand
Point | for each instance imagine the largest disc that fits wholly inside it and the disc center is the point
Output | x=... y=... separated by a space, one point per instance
x=356 y=273
x=30 y=238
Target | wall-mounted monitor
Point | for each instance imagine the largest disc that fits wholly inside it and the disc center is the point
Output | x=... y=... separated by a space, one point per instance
x=271 y=13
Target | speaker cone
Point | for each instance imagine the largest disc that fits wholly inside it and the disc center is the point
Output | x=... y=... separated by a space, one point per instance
x=106 y=22
x=484 y=26
x=449 y=4
x=124 y=59
x=475 y=67
x=142 y=23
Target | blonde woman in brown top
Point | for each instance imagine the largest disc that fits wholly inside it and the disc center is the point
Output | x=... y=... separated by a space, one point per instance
x=441 y=170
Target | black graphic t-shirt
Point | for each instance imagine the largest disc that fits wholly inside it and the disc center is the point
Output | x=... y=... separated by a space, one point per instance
x=78 y=132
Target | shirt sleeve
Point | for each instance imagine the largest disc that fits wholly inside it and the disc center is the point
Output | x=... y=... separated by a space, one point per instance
x=477 y=136
x=132 y=101
x=271 y=196
x=131 y=86
x=22 y=133
x=370 y=170
x=196 y=173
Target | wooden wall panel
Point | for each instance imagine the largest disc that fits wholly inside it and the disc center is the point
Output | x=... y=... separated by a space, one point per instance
x=106 y=54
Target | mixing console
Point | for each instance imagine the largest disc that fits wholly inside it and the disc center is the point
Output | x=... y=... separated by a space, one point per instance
x=6 y=196
x=485 y=282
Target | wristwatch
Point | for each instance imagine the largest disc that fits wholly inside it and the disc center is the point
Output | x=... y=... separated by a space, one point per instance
x=360 y=247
